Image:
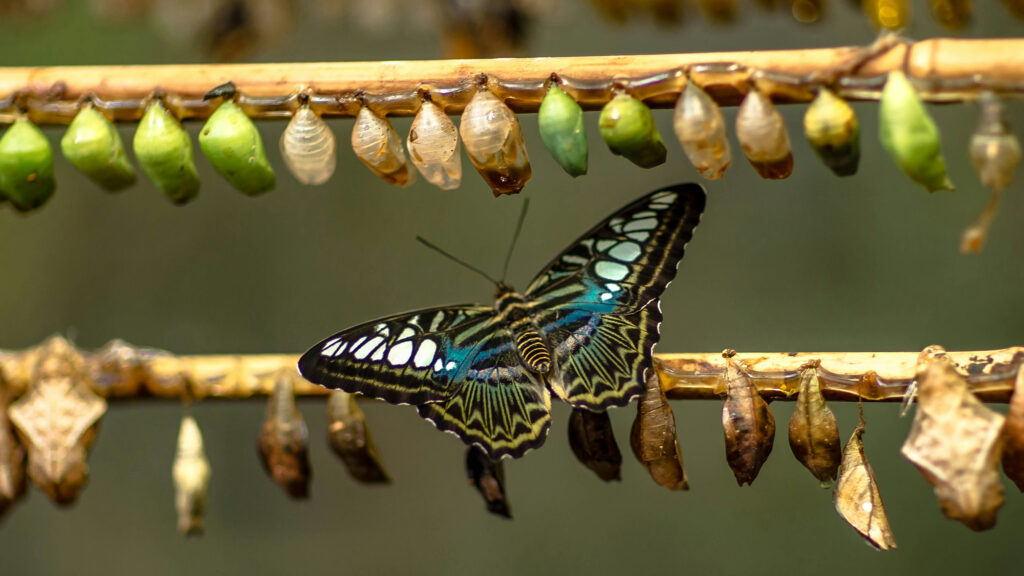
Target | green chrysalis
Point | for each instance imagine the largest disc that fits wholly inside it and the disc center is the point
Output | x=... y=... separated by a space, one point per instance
x=232 y=143
x=628 y=128
x=561 y=128
x=832 y=130
x=93 y=145
x=164 y=151
x=910 y=136
x=26 y=166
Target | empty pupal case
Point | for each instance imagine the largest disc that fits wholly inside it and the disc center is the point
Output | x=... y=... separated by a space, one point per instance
x=494 y=142
x=377 y=144
x=434 y=149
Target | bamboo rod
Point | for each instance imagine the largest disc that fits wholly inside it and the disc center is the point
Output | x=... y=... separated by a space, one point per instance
x=944 y=69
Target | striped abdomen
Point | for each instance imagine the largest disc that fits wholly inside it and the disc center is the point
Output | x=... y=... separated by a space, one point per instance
x=533 y=351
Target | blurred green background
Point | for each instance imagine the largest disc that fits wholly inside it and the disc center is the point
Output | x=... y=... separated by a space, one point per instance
x=809 y=263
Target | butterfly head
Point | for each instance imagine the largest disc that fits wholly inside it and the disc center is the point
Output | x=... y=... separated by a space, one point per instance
x=501 y=289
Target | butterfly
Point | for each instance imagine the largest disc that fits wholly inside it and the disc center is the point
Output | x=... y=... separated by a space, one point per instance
x=584 y=329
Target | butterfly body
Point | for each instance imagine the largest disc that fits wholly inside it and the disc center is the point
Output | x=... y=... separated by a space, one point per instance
x=583 y=329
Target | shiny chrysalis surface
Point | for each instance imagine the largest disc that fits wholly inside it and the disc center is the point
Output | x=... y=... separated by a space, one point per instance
x=191 y=475
x=1013 y=434
x=284 y=440
x=995 y=154
x=26 y=166
x=700 y=128
x=763 y=136
x=629 y=130
x=593 y=442
x=560 y=120
x=488 y=477
x=910 y=136
x=891 y=14
x=494 y=142
x=93 y=145
x=653 y=438
x=164 y=150
x=232 y=144
x=833 y=132
x=12 y=456
x=377 y=144
x=748 y=424
x=857 y=498
x=308 y=147
x=813 y=431
x=434 y=147
x=350 y=438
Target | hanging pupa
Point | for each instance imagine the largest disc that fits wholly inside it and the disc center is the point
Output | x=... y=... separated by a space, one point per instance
x=952 y=14
x=832 y=130
x=488 y=477
x=349 y=437
x=628 y=129
x=813 y=432
x=560 y=120
x=653 y=438
x=164 y=150
x=284 y=440
x=94 y=146
x=857 y=498
x=763 y=136
x=748 y=424
x=434 y=149
x=26 y=166
x=700 y=128
x=909 y=135
x=494 y=142
x=889 y=14
x=593 y=442
x=1013 y=433
x=232 y=144
x=191 y=474
x=995 y=153
x=377 y=144
x=12 y=456
x=308 y=147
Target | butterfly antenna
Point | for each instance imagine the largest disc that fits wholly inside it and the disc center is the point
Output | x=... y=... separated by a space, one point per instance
x=515 y=238
x=465 y=264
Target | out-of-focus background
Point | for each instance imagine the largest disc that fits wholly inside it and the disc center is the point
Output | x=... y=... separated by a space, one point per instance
x=810 y=263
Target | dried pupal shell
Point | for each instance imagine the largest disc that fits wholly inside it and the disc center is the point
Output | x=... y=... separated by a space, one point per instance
x=377 y=144
x=494 y=142
x=560 y=120
x=284 y=440
x=995 y=153
x=593 y=442
x=488 y=477
x=813 y=431
x=909 y=135
x=889 y=14
x=1013 y=433
x=164 y=150
x=26 y=166
x=628 y=129
x=653 y=438
x=748 y=423
x=57 y=420
x=232 y=144
x=94 y=146
x=350 y=438
x=857 y=498
x=434 y=147
x=832 y=130
x=700 y=128
x=308 y=147
x=191 y=474
x=763 y=136
x=12 y=456
x=952 y=14
x=956 y=443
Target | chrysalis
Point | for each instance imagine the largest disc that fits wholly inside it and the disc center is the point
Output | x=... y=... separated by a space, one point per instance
x=233 y=146
x=700 y=128
x=283 y=440
x=1013 y=434
x=494 y=142
x=748 y=423
x=164 y=151
x=593 y=442
x=952 y=14
x=560 y=120
x=628 y=129
x=308 y=147
x=910 y=136
x=12 y=456
x=26 y=166
x=763 y=137
x=434 y=147
x=857 y=498
x=956 y=443
x=93 y=145
x=653 y=438
x=350 y=438
x=831 y=128
x=191 y=474
x=488 y=477
x=995 y=153
x=890 y=14
x=377 y=144
x=813 y=432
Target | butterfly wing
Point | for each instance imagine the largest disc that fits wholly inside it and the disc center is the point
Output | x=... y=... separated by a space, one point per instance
x=597 y=303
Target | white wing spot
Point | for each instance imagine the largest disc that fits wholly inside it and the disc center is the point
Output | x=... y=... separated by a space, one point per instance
x=400 y=353
x=364 y=350
x=641 y=224
x=606 y=296
x=450 y=365
x=406 y=333
x=357 y=343
x=625 y=251
x=639 y=236
x=438 y=365
x=436 y=321
x=573 y=259
x=611 y=270
x=612 y=287
x=664 y=196
x=425 y=353
x=644 y=214
x=378 y=354
x=603 y=245
x=331 y=347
